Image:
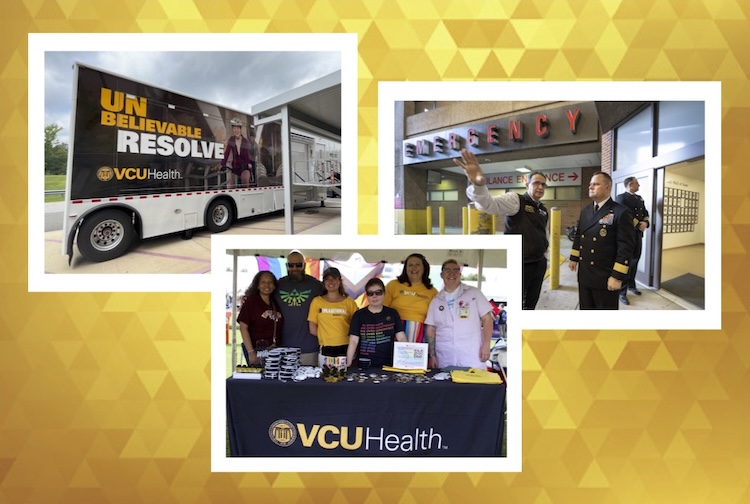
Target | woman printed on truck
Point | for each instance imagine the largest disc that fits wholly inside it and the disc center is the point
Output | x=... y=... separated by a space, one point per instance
x=237 y=156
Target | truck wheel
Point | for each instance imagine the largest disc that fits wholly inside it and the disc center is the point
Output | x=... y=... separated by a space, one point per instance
x=219 y=216
x=105 y=235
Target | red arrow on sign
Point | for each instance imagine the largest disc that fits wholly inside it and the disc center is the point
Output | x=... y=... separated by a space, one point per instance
x=573 y=175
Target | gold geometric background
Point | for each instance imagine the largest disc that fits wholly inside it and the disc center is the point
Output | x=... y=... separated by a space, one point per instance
x=106 y=397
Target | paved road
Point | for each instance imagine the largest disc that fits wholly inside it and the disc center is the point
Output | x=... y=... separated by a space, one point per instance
x=53 y=216
x=172 y=254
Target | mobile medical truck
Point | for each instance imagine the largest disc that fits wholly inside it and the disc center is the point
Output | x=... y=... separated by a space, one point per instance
x=145 y=161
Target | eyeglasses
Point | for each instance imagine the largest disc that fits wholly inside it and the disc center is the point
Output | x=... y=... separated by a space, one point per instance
x=294 y=265
x=450 y=271
x=374 y=293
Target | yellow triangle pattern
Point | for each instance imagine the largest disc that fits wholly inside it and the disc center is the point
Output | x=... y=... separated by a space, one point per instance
x=106 y=396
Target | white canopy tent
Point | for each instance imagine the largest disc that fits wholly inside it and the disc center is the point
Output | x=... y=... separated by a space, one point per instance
x=478 y=258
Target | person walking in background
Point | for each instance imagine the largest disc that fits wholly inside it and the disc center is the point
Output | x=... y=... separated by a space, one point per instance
x=410 y=295
x=458 y=326
x=602 y=248
x=525 y=214
x=503 y=321
x=637 y=206
x=293 y=295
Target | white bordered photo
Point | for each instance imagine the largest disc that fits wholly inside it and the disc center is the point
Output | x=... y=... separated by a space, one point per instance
x=489 y=263
x=146 y=120
x=666 y=134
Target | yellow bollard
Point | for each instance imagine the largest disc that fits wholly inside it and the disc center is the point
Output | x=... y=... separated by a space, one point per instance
x=465 y=219
x=554 y=255
x=494 y=224
x=485 y=222
x=480 y=222
x=441 y=220
x=473 y=221
x=428 y=215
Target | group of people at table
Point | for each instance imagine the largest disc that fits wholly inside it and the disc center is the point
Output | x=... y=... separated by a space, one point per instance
x=320 y=319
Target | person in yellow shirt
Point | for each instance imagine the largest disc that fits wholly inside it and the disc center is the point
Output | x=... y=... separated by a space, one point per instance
x=330 y=315
x=410 y=295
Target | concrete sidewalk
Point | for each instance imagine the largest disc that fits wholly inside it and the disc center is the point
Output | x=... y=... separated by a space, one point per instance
x=565 y=297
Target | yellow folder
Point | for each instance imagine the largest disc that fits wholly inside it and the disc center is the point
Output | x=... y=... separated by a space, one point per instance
x=474 y=375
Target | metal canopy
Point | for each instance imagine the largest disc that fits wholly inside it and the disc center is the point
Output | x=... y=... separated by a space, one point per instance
x=315 y=107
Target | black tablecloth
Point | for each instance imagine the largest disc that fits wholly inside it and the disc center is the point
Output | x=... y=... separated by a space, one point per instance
x=318 y=418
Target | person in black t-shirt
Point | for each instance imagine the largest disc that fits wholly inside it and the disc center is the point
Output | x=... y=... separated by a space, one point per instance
x=374 y=328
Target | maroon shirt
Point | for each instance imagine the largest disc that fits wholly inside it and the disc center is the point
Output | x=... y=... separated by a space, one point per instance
x=259 y=318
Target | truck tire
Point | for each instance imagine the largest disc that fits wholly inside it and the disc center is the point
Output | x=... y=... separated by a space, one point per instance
x=219 y=216
x=105 y=235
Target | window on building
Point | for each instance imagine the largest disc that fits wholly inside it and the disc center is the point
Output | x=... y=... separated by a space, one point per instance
x=442 y=196
x=635 y=140
x=567 y=193
x=680 y=124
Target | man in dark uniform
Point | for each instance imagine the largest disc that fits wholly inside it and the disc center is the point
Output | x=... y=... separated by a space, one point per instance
x=603 y=247
x=640 y=218
x=525 y=214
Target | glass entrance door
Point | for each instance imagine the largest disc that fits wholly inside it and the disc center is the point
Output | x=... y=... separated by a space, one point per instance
x=681 y=258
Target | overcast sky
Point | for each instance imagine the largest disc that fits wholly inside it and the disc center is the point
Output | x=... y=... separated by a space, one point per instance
x=236 y=80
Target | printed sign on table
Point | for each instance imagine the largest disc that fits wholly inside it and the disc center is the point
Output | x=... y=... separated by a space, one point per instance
x=407 y=355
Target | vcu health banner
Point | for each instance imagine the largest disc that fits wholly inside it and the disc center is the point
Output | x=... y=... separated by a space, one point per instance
x=318 y=418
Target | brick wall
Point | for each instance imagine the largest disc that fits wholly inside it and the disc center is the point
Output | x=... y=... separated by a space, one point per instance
x=608 y=140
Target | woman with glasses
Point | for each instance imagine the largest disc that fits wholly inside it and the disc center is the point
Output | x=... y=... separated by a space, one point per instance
x=260 y=319
x=374 y=328
x=330 y=315
x=410 y=295
x=459 y=323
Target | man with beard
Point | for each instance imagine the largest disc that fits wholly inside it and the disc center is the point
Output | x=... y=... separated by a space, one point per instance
x=294 y=293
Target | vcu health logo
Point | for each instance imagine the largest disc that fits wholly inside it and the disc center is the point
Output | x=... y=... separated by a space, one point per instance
x=355 y=438
x=105 y=173
x=282 y=432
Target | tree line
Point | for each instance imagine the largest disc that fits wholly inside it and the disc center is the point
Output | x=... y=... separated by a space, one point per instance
x=55 y=151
